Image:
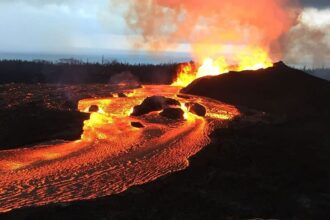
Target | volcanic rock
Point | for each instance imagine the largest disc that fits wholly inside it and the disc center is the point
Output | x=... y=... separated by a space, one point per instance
x=169 y=101
x=93 y=108
x=172 y=113
x=196 y=109
x=122 y=95
x=183 y=96
x=137 y=124
x=150 y=104
x=154 y=103
x=279 y=90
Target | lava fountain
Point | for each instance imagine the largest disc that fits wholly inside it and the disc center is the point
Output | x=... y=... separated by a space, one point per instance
x=247 y=59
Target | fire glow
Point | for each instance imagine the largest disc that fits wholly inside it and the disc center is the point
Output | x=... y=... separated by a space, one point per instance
x=247 y=59
x=111 y=155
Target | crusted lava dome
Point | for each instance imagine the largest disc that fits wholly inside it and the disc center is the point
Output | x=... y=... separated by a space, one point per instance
x=154 y=103
x=196 y=109
x=173 y=113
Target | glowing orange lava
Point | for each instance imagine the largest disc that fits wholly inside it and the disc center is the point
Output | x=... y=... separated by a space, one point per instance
x=248 y=58
x=111 y=155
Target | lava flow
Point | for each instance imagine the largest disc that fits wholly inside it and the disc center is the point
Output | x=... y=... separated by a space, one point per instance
x=112 y=155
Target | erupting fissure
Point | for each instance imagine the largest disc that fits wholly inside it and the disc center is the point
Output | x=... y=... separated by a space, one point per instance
x=247 y=59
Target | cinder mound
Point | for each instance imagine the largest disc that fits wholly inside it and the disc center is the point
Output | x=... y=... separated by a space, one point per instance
x=154 y=103
x=172 y=113
x=279 y=89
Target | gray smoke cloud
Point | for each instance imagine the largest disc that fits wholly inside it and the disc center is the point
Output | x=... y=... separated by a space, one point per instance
x=308 y=45
x=308 y=42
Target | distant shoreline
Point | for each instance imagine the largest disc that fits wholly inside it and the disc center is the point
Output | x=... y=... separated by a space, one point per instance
x=129 y=57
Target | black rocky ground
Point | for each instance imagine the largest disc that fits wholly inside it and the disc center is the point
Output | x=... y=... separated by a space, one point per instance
x=267 y=171
x=35 y=113
x=29 y=125
x=275 y=169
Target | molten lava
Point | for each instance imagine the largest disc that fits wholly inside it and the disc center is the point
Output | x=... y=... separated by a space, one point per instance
x=111 y=155
x=253 y=59
x=212 y=68
x=248 y=58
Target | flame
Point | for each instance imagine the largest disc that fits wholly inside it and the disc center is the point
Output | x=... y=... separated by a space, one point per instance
x=186 y=74
x=253 y=59
x=212 y=67
x=248 y=58
x=186 y=114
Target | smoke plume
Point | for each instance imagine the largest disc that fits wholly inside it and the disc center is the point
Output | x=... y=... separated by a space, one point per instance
x=308 y=42
x=211 y=27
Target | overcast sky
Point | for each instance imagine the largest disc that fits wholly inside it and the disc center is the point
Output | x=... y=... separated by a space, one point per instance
x=81 y=26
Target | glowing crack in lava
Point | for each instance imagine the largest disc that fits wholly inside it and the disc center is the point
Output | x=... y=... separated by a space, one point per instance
x=248 y=58
x=111 y=155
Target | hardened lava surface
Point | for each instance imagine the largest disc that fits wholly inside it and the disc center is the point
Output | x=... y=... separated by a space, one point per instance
x=111 y=155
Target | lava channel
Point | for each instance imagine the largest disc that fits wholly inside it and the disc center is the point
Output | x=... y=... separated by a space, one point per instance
x=111 y=155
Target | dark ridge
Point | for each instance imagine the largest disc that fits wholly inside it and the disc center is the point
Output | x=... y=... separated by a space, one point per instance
x=279 y=89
